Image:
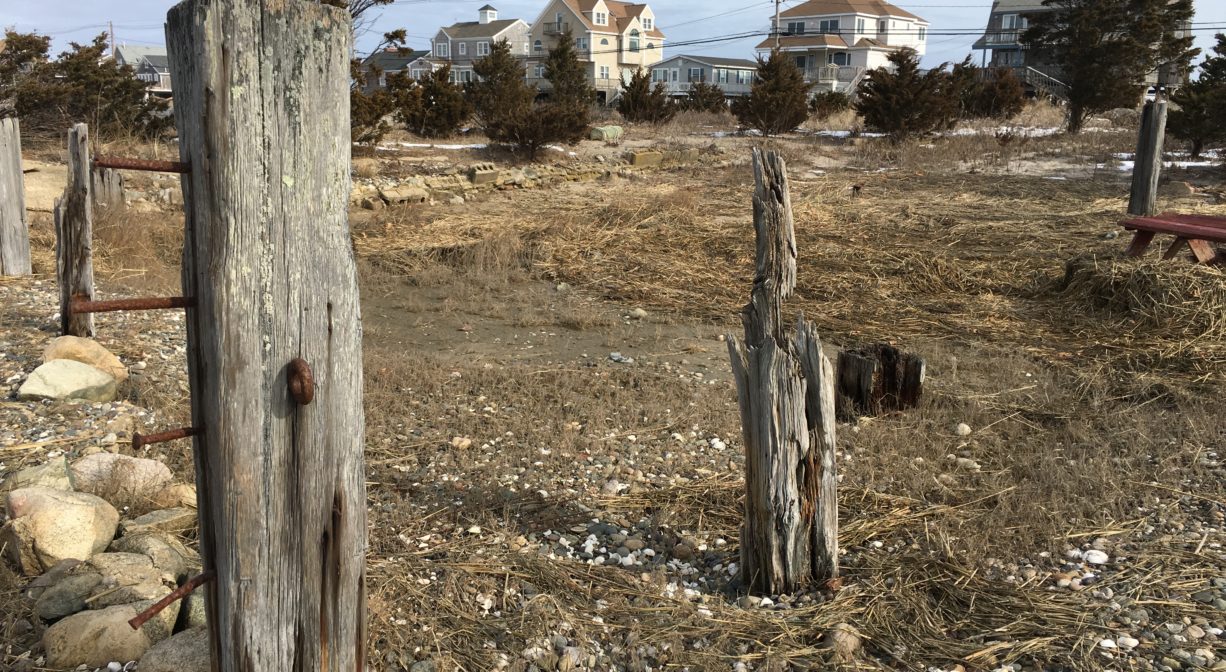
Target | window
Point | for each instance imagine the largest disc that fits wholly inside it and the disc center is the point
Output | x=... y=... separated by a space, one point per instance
x=650 y=46
x=796 y=27
x=676 y=74
x=647 y=24
x=802 y=62
x=604 y=72
x=722 y=76
x=860 y=25
x=418 y=74
x=527 y=47
x=634 y=40
x=539 y=71
x=604 y=41
x=742 y=76
x=538 y=47
x=923 y=33
x=659 y=75
x=581 y=43
x=460 y=76
x=827 y=26
x=1008 y=21
x=881 y=27
x=838 y=58
x=601 y=19
x=383 y=80
x=483 y=48
x=695 y=75
x=463 y=50
x=442 y=50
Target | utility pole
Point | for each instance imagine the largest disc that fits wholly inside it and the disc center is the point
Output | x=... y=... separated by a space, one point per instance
x=777 y=30
x=110 y=28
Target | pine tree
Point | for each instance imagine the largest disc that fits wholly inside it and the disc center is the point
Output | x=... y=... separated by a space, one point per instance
x=1198 y=113
x=641 y=102
x=499 y=97
x=994 y=94
x=778 y=100
x=1104 y=49
x=435 y=107
x=705 y=97
x=368 y=112
x=905 y=102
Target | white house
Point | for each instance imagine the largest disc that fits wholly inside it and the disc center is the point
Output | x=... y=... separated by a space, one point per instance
x=835 y=42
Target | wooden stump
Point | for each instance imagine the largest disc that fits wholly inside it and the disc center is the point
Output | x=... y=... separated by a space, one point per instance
x=261 y=102
x=14 y=231
x=108 y=187
x=1147 y=164
x=878 y=379
x=74 y=236
x=785 y=387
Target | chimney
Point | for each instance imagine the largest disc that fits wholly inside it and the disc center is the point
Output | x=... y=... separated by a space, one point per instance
x=487 y=14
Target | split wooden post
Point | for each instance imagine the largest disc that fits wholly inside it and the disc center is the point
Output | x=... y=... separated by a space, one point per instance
x=14 y=231
x=74 y=236
x=1147 y=164
x=785 y=387
x=261 y=102
x=878 y=378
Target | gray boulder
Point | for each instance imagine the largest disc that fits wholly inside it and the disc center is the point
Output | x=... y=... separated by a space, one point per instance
x=168 y=554
x=68 y=379
x=47 y=526
x=66 y=597
x=175 y=521
x=187 y=651
x=53 y=474
x=95 y=638
x=125 y=578
x=607 y=133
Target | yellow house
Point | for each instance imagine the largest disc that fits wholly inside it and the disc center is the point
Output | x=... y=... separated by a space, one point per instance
x=613 y=40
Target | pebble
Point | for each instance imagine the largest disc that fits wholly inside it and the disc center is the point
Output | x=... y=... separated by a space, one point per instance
x=962 y=429
x=1095 y=557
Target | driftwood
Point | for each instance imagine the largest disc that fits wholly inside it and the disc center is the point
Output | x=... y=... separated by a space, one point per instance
x=785 y=387
x=74 y=236
x=878 y=379
x=261 y=103
x=107 y=187
x=14 y=230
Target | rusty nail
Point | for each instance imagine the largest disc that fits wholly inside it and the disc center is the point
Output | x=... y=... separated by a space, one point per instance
x=177 y=594
x=80 y=304
x=301 y=381
x=141 y=440
x=142 y=164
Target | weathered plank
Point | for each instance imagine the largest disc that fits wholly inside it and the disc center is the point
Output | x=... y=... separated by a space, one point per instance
x=14 y=230
x=1147 y=164
x=74 y=236
x=261 y=103
x=878 y=378
x=107 y=187
x=785 y=387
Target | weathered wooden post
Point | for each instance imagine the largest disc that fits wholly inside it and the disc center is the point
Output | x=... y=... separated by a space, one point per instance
x=74 y=236
x=785 y=387
x=14 y=231
x=108 y=187
x=878 y=378
x=261 y=102
x=1147 y=164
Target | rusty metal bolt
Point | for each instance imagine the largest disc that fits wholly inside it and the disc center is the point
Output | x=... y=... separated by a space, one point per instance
x=301 y=382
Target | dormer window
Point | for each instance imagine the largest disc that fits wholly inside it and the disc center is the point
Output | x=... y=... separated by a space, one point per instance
x=602 y=19
x=646 y=23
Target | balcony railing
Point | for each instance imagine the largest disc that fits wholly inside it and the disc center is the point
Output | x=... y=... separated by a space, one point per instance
x=830 y=74
x=557 y=28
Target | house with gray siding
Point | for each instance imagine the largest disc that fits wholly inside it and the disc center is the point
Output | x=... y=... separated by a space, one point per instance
x=679 y=73
x=384 y=62
x=462 y=44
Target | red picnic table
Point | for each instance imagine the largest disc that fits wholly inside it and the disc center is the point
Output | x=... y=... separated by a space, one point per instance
x=1198 y=232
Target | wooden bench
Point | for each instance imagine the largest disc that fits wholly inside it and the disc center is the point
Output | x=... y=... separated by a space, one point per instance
x=1198 y=232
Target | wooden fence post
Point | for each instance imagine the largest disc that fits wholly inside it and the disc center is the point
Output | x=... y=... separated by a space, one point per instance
x=108 y=187
x=261 y=102
x=74 y=236
x=1147 y=163
x=14 y=232
x=785 y=387
x=878 y=378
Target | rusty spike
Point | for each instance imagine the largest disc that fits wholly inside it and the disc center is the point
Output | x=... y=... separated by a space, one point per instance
x=80 y=304
x=141 y=440
x=142 y=164
x=177 y=594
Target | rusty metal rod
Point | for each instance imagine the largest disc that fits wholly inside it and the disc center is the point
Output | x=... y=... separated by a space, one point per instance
x=177 y=594
x=141 y=440
x=80 y=304
x=142 y=164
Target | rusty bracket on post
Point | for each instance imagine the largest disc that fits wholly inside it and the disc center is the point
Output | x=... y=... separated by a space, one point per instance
x=80 y=304
x=141 y=440
x=142 y=164
x=301 y=381
x=175 y=595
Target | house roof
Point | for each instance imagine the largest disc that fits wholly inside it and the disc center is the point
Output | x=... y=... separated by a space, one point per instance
x=870 y=42
x=487 y=8
x=817 y=40
x=393 y=59
x=621 y=13
x=131 y=55
x=719 y=62
x=1017 y=6
x=467 y=30
x=872 y=7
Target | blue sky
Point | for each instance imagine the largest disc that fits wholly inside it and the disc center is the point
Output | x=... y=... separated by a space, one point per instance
x=140 y=21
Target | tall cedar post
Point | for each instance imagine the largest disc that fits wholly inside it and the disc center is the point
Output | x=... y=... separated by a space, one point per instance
x=785 y=387
x=14 y=232
x=1147 y=164
x=261 y=102
x=74 y=235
